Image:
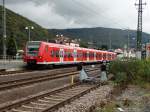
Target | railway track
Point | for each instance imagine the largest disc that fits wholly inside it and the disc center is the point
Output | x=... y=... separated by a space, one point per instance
x=27 y=81
x=50 y=100
x=5 y=72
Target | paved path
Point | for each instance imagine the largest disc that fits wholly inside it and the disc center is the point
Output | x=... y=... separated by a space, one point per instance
x=8 y=64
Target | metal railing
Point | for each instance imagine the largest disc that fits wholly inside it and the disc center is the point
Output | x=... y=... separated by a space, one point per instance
x=8 y=57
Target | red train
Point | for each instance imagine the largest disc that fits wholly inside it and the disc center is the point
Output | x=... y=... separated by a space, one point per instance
x=38 y=52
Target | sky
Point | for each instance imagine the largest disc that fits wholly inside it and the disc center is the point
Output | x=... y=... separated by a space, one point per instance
x=61 y=14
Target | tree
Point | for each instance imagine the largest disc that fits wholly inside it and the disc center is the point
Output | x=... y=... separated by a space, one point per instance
x=1 y=46
x=83 y=44
x=104 y=47
x=11 y=45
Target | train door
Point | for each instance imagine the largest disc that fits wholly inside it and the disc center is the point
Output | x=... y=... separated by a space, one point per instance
x=94 y=56
x=61 y=54
x=75 y=55
x=56 y=55
x=87 y=55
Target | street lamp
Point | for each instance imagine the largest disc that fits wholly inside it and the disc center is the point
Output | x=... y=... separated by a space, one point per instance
x=29 y=28
x=59 y=35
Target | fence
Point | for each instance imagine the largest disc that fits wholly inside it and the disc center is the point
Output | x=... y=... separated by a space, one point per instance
x=12 y=57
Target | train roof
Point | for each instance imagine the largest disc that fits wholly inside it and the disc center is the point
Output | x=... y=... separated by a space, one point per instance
x=71 y=47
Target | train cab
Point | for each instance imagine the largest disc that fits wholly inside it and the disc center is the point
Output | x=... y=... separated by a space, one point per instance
x=31 y=52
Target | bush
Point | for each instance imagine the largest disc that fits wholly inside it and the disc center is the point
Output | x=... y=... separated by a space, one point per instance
x=121 y=78
x=131 y=71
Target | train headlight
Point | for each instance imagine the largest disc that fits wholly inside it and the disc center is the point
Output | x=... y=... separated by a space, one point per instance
x=40 y=57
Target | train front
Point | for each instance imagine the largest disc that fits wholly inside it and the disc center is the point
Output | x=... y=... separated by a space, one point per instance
x=31 y=52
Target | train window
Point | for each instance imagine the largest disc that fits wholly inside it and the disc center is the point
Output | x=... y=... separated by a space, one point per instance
x=33 y=48
x=79 y=54
x=97 y=55
x=91 y=55
x=87 y=54
x=52 y=53
x=61 y=54
x=65 y=54
x=83 y=55
x=100 y=56
x=57 y=53
x=104 y=56
x=109 y=56
x=74 y=54
x=69 y=55
x=112 y=56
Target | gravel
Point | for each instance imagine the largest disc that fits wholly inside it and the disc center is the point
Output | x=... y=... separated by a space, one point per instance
x=135 y=99
x=24 y=91
x=88 y=101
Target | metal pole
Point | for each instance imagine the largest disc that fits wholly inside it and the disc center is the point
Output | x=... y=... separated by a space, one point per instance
x=109 y=40
x=29 y=34
x=128 y=43
x=139 y=28
x=128 y=40
x=4 y=32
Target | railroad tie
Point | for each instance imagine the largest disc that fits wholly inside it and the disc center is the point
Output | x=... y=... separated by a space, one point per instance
x=46 y=101
x=54 y=99
x=61 y=96
x=30 y=107
x=17 y=110
x=40 y=104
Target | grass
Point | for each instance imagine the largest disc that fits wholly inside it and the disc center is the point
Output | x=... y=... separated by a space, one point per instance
x=111 y=107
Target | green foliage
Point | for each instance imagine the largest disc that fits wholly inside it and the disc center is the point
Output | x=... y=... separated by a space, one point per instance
x=11 y=46
x=121 y=78
x=83 y=44
x=111 y=107
x=104 y=47
x=131 y=71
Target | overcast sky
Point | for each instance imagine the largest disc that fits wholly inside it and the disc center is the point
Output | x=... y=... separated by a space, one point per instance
x=82 y=13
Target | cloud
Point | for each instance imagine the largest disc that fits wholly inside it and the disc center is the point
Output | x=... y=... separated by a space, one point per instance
x=80 y=13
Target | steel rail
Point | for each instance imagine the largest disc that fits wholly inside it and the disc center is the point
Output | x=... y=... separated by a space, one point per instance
x=29 y=81
x=70 y=92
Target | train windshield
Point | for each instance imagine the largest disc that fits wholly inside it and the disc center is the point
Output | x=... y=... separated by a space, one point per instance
x=33 y=48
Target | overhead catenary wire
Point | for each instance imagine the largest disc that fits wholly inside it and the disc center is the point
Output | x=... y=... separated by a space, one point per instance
x=98 y=14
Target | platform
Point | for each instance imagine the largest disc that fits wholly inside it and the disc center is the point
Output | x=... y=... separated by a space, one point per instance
x=9 y=64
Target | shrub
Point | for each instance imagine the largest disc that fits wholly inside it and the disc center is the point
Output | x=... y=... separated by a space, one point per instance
x=121 y=78
x=135 y=71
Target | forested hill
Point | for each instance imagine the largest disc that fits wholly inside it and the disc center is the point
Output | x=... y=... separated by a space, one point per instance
x=16 y=29
x=102 y=36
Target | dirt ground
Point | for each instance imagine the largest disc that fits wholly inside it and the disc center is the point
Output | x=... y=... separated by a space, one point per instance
x=132 y=99
x=135 y=99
